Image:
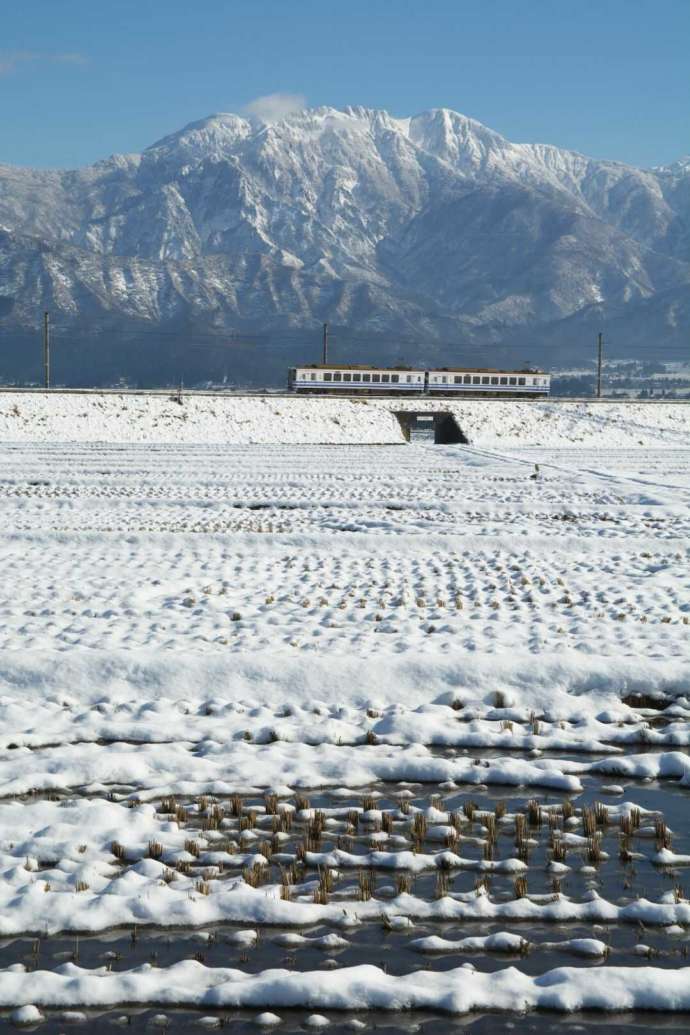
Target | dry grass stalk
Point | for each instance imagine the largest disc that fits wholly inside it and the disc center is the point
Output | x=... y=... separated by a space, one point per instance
x=442 y=884
x=589 y=821
x=558 y=850
x=419 y=828
x=118 y=850
x=203 y=887
x=367 y=884
x=534 y=813
x=155 y=850
x=520 y=887
x=594 y=853
x=403 y=883
x=664 y=838
x=253 y=875
x=500 y=809
x=488 y=821
x=301 y=803
x=469 y=808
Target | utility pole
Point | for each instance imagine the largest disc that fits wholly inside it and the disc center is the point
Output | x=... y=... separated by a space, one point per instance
x=325 y=344
x=46 y=350
x=600 y=352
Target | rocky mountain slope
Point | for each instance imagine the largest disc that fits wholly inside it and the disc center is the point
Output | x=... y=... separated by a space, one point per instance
x=412 y=234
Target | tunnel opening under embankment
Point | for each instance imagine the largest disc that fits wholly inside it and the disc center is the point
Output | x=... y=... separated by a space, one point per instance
x=440 y=428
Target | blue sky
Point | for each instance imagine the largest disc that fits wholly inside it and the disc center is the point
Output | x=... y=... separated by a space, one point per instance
x=80 y=80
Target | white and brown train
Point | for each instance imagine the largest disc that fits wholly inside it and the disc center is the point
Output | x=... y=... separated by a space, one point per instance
x=321 y=379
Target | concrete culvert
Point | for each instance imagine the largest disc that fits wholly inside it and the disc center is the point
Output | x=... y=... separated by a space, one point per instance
x=430 y=426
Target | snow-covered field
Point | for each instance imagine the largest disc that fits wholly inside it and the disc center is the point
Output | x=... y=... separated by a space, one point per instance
x=267 y=708
x=277 y=420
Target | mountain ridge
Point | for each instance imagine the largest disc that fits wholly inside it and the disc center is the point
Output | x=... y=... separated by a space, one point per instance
x=432 y=226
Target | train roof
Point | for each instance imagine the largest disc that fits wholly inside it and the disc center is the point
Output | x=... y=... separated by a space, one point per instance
x=483 y=370
x=432 y=370
x=350 y=366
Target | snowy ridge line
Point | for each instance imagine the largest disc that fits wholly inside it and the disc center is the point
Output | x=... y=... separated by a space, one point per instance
x=227 y=768
x=122 y=418
x=469 y=725
x=404 y=544
x=94 y=675
x=459 y=991
x=269 y=393
x=140 y=896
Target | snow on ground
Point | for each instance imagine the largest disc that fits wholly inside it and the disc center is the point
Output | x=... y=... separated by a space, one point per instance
x=197 y=638
x=459 y=991
x=160 y=418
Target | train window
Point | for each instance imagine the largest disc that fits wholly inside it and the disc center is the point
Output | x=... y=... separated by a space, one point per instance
x=535 y=381
x=467 y=379
x=375 y=378
x=457 y=380
x=408 y=379
x=366 y=377
x=486 y=380
x=504 y=380
x=476 y=380
x=346 y=377
x=521 y=380
x=385 y=378
x=513 y=380
x=494 y=380
x=327 y=377
x=337 y=376
x=395 y=379
x=356 y=376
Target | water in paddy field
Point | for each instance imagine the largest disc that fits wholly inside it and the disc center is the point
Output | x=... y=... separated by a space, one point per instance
x=244 y=1022
x=615 y=860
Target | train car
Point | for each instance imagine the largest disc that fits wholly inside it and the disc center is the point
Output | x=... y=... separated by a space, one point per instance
x=356 y=380
x=466 y=382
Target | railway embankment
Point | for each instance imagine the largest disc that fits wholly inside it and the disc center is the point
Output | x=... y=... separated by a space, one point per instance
x=160 y=417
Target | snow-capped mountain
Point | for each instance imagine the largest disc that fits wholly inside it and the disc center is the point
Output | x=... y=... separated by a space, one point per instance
x=432 y=228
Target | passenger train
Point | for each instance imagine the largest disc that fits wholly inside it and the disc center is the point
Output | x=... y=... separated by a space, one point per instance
x=322 y=379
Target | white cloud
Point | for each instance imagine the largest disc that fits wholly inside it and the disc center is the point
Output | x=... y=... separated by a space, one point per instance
x=10 y=60
x=70 y=57
x=275 y=106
